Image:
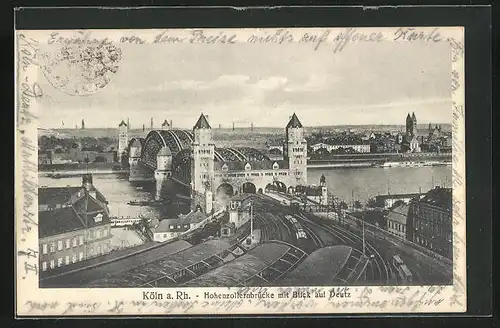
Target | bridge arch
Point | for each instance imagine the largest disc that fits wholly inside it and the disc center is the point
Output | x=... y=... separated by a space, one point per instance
x=174 y=140
x=135 y=147
x=281 y=187
x=181 y=165
x=276 y=186
x=248 y=188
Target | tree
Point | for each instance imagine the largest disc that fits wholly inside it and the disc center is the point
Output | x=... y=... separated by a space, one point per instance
x=371 y=203
x=343 y=205
x=358 y=205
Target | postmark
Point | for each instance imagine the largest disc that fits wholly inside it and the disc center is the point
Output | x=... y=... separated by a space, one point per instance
x=79 y=66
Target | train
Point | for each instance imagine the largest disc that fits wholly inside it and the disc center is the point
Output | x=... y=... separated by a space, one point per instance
x=403 y=271
x=300 y=233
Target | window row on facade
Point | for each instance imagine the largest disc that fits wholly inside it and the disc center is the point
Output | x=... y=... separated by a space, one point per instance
x=75 y=257
x=72 y=242
x=396 y=226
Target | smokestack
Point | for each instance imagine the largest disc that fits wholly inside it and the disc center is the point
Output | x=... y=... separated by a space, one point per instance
x=233 y=126
x=170 y=123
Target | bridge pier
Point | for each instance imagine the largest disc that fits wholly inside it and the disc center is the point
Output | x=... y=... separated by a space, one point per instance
x=138 y=172
x=163 y=170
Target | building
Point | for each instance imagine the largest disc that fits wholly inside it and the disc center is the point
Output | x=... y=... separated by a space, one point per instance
x=44 y=157
x=239 y=210
x=227 y=230
x=389 y=200
x=411 y=142
x=169 y=229
x=76 y=155
x=397 y=219
x=122 y=140
x=73 y=224
x=359 y=148
x=430 y=221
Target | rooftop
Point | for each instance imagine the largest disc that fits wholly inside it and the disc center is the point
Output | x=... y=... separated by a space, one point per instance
x=202 y=123
x=241 y=268
x=164 y=225
x=164 y=151
x=84 y=212
x=439 y=197
x=399 y=214
x=294 y=122
x=167 y=266
x=193 y=217
x=56 y=195
x=320 y=267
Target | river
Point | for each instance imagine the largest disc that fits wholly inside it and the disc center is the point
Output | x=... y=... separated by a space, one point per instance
x=366 y=183
x=363 y=183
x=117 y=190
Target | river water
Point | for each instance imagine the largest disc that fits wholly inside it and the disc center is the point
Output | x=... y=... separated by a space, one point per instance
x=364 y=183
x=344 y=183
x=117 y=190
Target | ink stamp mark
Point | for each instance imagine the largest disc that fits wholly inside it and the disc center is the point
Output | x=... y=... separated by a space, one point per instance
x=81 y=69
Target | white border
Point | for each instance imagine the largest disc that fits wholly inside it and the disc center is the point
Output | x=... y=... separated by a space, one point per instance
x=33 y=301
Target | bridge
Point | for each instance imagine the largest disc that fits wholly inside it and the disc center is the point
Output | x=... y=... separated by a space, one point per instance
x=189 y=161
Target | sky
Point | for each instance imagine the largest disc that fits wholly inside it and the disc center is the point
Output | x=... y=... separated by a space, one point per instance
x=366 y=83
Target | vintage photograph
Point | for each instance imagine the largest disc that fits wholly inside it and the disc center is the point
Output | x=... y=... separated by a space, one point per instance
x=245 y=158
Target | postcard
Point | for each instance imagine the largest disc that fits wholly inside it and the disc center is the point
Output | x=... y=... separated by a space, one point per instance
x=240 y=171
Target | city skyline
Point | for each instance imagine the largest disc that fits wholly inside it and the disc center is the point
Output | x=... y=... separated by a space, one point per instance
x=138 y=126
x=264 y=89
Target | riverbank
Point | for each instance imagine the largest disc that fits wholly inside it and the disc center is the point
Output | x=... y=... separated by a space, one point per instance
x=78 y=166
x=371 y=164
x=77 y=173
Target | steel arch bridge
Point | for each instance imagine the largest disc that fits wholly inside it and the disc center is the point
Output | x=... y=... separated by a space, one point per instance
x=183 y=161
x=180 y=144
x=175 y=140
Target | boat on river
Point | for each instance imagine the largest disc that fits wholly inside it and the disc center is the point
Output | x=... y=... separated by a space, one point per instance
x=144 y=202
x=403 y=164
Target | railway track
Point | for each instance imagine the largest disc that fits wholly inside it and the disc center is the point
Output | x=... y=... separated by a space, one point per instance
x=381 y=270
x=314 y=237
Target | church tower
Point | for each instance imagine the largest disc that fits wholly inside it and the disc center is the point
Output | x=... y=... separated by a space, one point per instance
x=122 y=140
x=202 y=169
x=295 y=150
x=409 y=126
x=414 y=124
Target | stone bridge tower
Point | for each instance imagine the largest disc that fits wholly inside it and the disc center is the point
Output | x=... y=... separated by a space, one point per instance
x=163 y=170
x=202 y=170
x=122 y=140
x=295 y=151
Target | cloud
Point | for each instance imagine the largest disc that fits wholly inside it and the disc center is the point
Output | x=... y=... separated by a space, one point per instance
x=274 y=82
x=225 y=81
x=316 y=82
